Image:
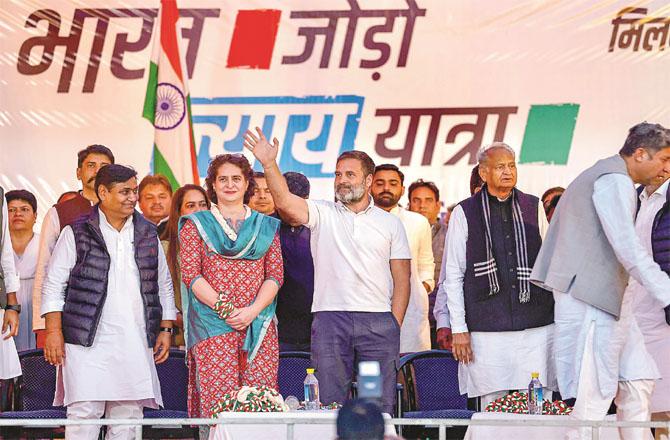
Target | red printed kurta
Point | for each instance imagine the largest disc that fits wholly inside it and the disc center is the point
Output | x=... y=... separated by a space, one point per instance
x=216 y=365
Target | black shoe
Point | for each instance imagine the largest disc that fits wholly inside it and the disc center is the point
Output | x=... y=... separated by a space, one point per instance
x=667 y=314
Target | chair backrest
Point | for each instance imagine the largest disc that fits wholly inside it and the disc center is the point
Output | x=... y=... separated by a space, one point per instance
x=37 y=384
x=291 y=374
x=173 y=377
x=434 y=375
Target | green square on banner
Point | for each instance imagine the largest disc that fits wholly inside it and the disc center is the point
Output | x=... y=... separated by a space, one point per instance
x=548 y=136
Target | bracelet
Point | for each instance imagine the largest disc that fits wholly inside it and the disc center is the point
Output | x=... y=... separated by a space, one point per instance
x=223 y=308
x=168 y=329
x=15 y=307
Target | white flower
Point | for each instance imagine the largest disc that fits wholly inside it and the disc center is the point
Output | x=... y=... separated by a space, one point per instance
x=243 y=393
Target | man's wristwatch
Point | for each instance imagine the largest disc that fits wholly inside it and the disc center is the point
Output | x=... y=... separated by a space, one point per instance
x=15 y=307
x=168 y=329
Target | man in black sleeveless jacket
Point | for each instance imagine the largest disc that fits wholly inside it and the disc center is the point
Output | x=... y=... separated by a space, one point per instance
x=109 y=306
x=502 y=325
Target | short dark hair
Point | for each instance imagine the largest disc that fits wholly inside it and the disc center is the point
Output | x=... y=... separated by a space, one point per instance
x=651 y=137
x=94 y=149
x=154 y=179
x=391 y=167
x=113 y=174
x=360 y=420
x=235 y=159
x=475 y=180
x=554 y=190
x=24 y=195
x=253 y=185
x=298 y=184
x=424 y=184
x=366 y=161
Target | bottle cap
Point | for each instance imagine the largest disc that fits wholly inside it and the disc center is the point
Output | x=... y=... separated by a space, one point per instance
x=310 y=371
x=535 y=375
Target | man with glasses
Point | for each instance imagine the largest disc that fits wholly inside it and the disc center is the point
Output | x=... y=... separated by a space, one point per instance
x=502 y=325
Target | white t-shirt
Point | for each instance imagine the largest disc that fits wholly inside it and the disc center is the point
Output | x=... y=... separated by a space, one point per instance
x=352 y=253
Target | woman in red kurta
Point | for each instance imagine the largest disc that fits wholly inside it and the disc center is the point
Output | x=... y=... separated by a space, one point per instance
x=229 y=255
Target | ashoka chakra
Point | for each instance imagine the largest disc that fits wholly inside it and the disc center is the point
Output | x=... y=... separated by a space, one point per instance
x=170 y=106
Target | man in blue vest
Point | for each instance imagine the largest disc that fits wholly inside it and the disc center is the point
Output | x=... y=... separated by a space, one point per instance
x=109 y=307
x=502 y=325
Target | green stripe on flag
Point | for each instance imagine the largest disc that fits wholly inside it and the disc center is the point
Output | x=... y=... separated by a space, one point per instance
x=161 y=167
x=548 y=135
x=149 y=111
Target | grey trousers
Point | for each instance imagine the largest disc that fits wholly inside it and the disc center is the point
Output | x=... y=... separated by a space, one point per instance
x=340 y=340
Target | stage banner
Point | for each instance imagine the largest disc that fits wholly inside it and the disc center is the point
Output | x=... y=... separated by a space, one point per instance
x=418 y=83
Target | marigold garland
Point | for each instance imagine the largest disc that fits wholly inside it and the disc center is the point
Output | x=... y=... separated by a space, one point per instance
x=517 y=403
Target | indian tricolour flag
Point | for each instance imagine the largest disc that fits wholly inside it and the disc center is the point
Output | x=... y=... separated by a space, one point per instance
x=168 y=105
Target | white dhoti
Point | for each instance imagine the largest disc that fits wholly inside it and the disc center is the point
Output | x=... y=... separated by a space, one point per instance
x=505 y=360
x=415 y=330
x=650 y=318
x=598 y=358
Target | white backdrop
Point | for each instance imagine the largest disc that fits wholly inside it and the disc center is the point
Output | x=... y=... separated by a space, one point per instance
x=564 y=80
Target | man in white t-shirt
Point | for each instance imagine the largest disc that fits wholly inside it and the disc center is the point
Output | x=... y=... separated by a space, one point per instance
x=361 y=271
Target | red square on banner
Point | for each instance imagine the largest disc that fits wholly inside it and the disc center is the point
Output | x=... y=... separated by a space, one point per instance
x=254 y=38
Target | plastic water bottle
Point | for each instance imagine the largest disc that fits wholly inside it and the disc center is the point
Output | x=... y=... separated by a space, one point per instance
x=311 y=391
x=535 y=395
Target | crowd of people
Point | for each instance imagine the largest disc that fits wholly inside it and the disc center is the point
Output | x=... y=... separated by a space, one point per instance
x=250 y=265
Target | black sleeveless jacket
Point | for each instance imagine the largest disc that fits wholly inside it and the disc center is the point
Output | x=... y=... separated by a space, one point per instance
x=87 y=286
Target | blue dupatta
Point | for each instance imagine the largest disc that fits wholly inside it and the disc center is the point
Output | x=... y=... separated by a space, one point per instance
x=252 y=243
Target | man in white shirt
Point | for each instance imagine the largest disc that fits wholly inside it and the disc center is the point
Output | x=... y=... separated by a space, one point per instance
x=9 y=281
x=109 y=307
x=361 y=271
x=387 y=189
x=89 y=162
x=589 y=252
x=424 y=198
x=652 y=226
x=502 y=325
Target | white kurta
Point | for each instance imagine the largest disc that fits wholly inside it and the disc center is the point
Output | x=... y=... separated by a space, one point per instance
x=12 y=282
x=502 y=360
x=619 y=350
x=119 y=365
x=648 y=310
x=48 y=237
x=415 y=330
x=25 y=265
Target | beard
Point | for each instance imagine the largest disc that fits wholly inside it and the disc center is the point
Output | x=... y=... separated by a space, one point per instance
x=350 y=193
x=386 y=200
